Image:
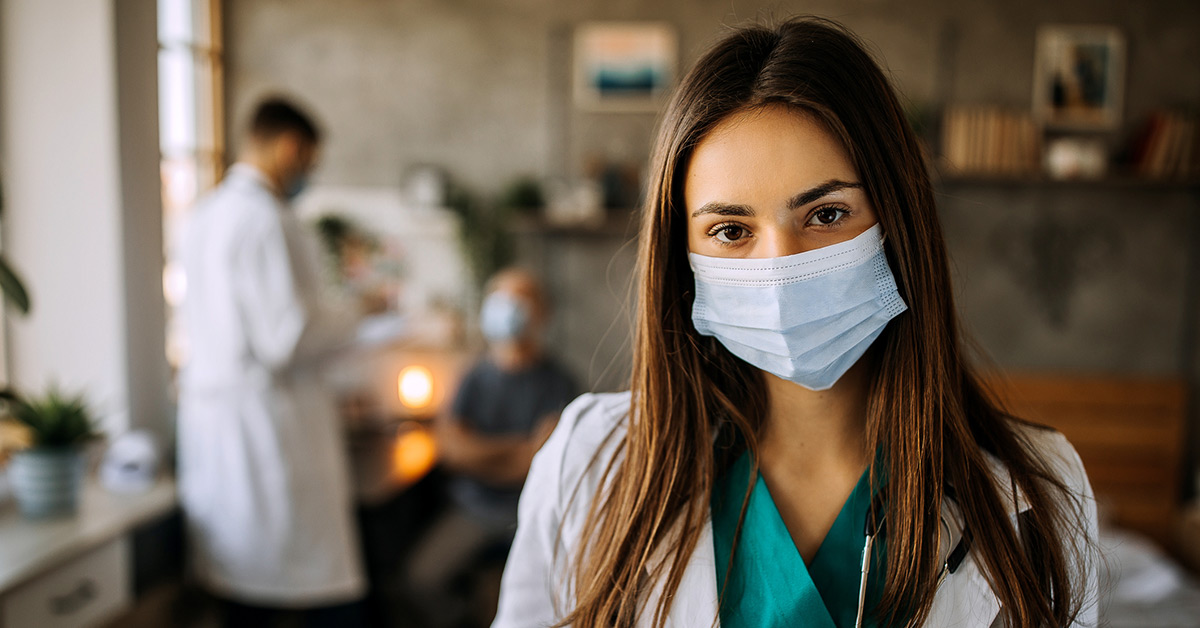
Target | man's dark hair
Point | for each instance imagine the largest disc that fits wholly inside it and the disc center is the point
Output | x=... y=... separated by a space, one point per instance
x=275 y=116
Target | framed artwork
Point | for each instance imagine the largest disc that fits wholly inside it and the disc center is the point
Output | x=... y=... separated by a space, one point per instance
x=624 y=66
x=1078 y=78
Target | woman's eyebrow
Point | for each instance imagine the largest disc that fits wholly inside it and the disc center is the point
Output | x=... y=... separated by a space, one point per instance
x=724 y=209
x=825 y=189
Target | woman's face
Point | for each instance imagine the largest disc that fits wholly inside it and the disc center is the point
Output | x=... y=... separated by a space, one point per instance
x=771 y=182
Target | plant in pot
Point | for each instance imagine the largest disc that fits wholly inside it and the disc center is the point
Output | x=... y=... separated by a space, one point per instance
x=48 y=434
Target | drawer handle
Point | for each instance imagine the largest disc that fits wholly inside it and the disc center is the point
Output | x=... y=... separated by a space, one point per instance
x=70 y=603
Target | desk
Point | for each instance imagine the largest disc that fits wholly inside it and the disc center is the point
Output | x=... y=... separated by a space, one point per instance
x=74 y=571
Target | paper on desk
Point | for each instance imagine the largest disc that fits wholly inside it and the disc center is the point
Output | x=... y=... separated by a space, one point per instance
x=380 y=329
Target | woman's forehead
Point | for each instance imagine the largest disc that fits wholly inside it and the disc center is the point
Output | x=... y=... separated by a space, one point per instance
x=764 y=152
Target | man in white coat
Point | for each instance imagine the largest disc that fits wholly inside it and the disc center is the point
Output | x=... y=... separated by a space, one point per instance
x=263 y=474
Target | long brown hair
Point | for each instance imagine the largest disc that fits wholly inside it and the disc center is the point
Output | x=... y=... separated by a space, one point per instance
x=927 y=412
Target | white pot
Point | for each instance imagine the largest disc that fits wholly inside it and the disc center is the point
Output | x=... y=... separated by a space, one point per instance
x=46 y=481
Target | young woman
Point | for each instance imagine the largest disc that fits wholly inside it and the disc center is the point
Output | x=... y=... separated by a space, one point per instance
x=800 y=396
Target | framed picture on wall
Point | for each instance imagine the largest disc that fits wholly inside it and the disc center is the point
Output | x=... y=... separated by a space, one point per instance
x=624 y=66
x=1078 y=78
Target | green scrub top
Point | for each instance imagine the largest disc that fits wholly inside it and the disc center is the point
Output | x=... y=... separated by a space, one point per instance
x=769 y=584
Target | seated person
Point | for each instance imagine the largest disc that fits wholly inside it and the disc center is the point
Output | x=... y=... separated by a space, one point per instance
x=505 y=408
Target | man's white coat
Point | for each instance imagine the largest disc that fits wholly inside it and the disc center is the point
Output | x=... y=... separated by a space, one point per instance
x=263 y=475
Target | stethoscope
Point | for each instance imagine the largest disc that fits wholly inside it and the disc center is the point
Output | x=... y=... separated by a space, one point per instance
x=875 y=526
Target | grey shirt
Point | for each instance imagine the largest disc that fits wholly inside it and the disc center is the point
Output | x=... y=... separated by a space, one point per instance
x=494 y=402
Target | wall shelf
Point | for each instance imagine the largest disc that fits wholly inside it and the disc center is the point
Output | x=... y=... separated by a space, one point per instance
x=1116 y=181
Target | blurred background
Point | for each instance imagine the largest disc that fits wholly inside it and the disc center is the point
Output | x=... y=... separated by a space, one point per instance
x=462 y=137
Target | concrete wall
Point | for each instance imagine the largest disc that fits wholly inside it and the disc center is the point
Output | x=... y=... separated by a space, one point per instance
x=1076 y=277
x=1060 y=277
x=482 y=86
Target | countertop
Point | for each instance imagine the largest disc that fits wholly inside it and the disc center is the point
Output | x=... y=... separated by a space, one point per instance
x=29 y=547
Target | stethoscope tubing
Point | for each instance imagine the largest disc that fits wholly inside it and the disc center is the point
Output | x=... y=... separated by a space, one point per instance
x=874 y=526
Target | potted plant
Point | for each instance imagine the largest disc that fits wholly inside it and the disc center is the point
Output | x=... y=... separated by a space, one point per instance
x=48 y=434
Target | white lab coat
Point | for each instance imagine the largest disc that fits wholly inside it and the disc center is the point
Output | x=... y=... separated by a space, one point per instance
x=533 y=588
x=263 y=475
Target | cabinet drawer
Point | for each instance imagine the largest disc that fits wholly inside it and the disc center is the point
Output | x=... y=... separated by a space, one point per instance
x=82 y=592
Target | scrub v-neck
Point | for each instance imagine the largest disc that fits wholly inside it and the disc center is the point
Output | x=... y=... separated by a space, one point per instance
x=769 y=585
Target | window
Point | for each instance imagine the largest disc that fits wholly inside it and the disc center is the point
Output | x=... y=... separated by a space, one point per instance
x=191 y=121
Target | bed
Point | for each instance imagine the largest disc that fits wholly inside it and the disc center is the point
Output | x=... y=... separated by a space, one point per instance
x=1130 y=434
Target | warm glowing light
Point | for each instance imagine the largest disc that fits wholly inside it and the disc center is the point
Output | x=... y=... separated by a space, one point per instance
x=413 y=455
x=416 y=387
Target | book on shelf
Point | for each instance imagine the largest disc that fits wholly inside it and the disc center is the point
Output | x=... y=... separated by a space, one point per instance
x=1166 y=146
x=986 y=140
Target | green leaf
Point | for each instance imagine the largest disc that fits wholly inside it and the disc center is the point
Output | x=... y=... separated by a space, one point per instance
x=13 y=288
x=55 y=419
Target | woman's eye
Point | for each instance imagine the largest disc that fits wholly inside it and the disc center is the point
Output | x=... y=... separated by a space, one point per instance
x=728 y=234
x=827 y=216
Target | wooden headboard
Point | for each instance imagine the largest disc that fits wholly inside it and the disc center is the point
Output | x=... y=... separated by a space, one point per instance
x=1129 y=432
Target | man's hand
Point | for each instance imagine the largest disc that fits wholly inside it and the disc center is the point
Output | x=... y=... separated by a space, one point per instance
x=496 y=460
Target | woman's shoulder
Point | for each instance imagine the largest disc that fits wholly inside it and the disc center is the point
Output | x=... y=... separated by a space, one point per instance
x=596 y=415
x=1056 y=451
x=563 y=481
x=1053 y=449
x=588 y=432
x=1079 y=537
x=569 y=468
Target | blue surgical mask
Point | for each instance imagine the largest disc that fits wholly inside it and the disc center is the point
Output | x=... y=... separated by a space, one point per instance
x=503 y=317
x=296 y=187
x=806 y=318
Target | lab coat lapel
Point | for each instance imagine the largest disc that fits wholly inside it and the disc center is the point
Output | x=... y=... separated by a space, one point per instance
x=965 y=598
